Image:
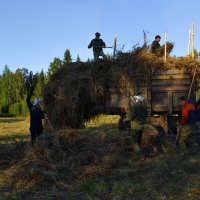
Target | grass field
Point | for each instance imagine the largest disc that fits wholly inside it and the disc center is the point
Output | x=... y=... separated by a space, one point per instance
x=17 y=128
x=112 y=173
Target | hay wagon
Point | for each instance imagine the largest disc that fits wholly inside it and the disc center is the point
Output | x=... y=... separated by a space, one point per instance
x=162 y=93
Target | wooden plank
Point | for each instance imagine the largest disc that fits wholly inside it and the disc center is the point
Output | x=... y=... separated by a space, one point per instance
x=170 y=82
x=163 y=77
x=170 y=88
x=159 y=109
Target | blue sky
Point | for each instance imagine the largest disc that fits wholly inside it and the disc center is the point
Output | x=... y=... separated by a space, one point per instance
x=33 y=32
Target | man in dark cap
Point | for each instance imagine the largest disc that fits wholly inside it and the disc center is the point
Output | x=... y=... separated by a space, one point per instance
x=155 y=44
x=98 y=45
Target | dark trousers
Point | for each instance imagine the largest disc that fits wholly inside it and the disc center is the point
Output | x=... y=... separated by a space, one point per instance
x=35 y=132
x=138 y=137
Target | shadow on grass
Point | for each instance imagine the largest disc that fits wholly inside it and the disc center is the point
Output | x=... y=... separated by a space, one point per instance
x=13 y=138
x=12 y=149
x=11 y=120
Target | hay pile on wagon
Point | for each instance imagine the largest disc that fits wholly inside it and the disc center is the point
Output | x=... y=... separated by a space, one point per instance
x=76 y=90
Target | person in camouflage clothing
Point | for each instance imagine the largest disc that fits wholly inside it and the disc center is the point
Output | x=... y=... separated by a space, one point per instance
x=98 y=45
x=138 y=117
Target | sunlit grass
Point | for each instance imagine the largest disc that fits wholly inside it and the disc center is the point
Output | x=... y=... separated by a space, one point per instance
x=13 y=130
x=102 y=120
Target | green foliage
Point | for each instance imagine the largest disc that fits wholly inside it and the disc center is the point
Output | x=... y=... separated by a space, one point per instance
x=24 y=108
x=15 y=109
x=67 y=57
x=78 y=60
x=13 y=89
x=196 y=54
x=4 y=109
x=54 y=66
x=14 y=85
x=19 y=109
x=40 y=84
x=88 y=60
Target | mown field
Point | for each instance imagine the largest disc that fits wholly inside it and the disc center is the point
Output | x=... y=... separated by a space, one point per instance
x=92 y=163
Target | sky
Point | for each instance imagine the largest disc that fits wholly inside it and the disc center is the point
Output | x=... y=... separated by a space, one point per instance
x=34 y=32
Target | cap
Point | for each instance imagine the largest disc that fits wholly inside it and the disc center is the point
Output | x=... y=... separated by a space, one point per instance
x=98 y=34
x=157 y=36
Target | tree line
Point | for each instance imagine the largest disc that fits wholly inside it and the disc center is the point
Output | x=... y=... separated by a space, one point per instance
x=15 y=85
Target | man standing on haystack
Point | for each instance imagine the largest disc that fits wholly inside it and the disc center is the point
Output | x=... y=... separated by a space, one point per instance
x=36 y=116
x=155 y=44
x=98 y=45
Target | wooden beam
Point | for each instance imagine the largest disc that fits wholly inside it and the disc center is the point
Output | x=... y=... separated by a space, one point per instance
x=115 y=45
x=189 y=43
x=192 y=40
x=165 y=55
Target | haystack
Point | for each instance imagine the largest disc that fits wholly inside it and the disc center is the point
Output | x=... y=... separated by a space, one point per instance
x=76 y=90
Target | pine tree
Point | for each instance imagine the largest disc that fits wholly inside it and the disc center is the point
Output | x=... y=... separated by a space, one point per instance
x=19 y=86
x=6 y=87
x=78 y=60
x=67 y=57
x=40 y=84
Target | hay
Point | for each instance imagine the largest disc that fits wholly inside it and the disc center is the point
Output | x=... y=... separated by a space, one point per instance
x=69 y=152
x=74 y=93
x=66 y=158
x=161 y=51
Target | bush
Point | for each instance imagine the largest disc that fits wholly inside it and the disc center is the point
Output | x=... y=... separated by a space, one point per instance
x=15 y=109
x=4 y=109
x=24 y=110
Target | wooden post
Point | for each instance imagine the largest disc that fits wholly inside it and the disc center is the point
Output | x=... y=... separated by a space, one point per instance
x=165 y=55
x=189 y=43
x=115 y=45
x=195 y=71
x=193 y=40
x=145 y=39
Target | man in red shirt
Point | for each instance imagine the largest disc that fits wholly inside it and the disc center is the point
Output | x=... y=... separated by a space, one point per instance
x=187 y=122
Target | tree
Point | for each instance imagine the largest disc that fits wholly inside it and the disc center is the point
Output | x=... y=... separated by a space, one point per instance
x=40 y=84
x=6 y=92
x=54 y=67
x=78 y=60
x=88 y=60
x=196 y=54
x=67 y=57
x=12 y=89
x=19 y=85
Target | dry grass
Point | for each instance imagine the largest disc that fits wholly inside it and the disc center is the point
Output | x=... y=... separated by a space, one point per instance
x=14 y=126
x=14 y=133
x=93 y=163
